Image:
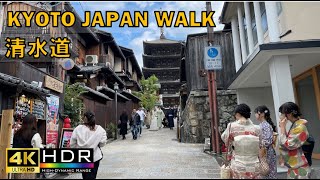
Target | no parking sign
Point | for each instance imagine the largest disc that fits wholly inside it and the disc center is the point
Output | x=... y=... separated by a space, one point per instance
x=212 y=58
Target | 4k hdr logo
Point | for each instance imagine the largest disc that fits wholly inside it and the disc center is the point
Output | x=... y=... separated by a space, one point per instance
x=23 y=160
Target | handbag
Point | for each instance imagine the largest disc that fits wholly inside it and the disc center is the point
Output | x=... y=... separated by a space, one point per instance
x=264 y=166
x=225 y=170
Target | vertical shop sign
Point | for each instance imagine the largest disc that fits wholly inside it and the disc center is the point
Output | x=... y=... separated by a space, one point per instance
x=52 y=121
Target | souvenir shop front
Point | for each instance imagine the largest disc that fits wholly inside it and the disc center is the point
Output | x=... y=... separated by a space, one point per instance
x=23 y=98
x=42 y=98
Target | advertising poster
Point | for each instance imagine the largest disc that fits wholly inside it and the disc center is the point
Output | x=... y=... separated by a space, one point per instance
x=65 y=137
x=52 y=121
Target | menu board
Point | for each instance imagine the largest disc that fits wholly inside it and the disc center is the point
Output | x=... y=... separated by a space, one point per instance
x=38 y=108
x=65 y=137
x=23 y=106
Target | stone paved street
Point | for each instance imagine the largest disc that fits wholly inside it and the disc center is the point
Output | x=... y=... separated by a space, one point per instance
x=157 y=154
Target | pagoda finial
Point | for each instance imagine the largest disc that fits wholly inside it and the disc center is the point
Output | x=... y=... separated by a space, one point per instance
x=161 y=29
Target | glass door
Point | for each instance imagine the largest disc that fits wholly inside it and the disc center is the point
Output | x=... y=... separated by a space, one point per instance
x=308 y=98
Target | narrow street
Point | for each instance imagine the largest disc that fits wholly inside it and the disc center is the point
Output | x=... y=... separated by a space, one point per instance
x=157 y=154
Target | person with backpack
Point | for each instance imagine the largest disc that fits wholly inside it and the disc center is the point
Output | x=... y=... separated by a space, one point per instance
x=242 y=140
x=135 y=123
x=291 y=142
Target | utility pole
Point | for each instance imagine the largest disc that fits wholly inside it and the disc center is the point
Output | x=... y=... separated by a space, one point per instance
x=212 y=90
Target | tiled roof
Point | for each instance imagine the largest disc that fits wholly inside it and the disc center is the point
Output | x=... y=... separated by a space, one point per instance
x=89 y=68
x=130 y=94
x=96 y=92
x=112 y=91
x=162 y=41
x=14 y=81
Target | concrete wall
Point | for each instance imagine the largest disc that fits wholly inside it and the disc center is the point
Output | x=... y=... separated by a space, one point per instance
x=297 y=17
x=255 y=97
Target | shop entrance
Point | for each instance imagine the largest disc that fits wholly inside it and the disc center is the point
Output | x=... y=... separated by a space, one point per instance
x=307 y=95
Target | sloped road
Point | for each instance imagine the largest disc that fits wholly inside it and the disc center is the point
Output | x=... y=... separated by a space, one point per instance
x=157 y=154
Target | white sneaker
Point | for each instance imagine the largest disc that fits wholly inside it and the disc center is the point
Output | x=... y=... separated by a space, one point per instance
x=140 y=135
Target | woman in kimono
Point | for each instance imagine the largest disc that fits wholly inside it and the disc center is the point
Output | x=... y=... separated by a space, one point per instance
x=291 y=142
x=243 y=138
x=267 y=129
x=160 y=115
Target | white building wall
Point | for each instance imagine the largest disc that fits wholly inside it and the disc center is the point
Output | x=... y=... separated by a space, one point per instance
x=255 y=97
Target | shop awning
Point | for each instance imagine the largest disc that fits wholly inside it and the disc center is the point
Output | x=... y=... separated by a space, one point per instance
x=110 y=92
x=17 y=82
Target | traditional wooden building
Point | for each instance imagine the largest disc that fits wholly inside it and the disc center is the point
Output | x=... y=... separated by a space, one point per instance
x=162 y=58
x=109 y=66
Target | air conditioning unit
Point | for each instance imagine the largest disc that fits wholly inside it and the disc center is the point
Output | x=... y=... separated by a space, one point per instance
x=91 y=59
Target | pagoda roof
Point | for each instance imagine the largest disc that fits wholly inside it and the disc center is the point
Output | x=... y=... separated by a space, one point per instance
x=170 y=95
x=170 y=82
x=161 y=56
x=162 y=41
x=159 y=69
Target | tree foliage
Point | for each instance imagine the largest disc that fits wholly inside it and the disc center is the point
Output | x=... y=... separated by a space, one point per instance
x=148 y=95
x=73 y=105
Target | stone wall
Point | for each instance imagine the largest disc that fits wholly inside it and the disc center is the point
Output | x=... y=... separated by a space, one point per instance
x=196 y=116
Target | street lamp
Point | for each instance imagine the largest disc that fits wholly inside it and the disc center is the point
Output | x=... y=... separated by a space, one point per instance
x=116 y=88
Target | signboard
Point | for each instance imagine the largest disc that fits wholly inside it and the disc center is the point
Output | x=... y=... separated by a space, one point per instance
x=67 y=64
x=53 y=84
x=212 y=58
x=65 y=137
x=52 y=121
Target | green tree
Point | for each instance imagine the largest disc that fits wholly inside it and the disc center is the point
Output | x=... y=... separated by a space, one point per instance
x=148 y=95
x=73 y=105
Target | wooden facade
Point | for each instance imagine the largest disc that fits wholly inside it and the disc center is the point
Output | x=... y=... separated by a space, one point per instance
x=84 y=41
x=195 y=73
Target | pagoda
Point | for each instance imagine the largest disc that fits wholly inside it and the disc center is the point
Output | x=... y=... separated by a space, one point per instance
x=162 y=58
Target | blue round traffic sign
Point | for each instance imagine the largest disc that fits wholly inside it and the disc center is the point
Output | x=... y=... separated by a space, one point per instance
x=212 y=52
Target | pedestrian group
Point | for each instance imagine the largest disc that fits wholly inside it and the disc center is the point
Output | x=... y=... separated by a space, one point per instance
x=251 y=148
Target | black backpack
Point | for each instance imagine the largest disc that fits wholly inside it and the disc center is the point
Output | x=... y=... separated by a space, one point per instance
x=307 y=149
x=137 y=119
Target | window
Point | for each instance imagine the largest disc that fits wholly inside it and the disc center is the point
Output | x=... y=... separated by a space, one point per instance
x=253 y=24
x=245 y=34
x=263 y=17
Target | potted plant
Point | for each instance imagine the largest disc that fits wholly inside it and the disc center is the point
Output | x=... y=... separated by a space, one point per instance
x=111 y=128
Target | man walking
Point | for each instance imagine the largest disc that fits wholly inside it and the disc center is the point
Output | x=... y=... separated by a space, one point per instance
x=142 y=115
x=135 y=123
x=170 y=116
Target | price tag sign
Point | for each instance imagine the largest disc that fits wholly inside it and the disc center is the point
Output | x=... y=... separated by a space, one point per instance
x=212 y=58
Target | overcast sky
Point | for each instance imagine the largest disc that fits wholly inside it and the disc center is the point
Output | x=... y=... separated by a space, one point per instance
x=133 y=37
